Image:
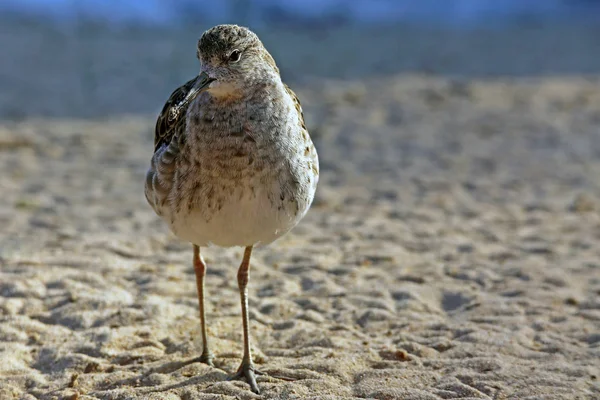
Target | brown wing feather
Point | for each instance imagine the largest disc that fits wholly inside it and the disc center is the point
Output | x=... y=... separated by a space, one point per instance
x=171 y=119
x=298 y=106
x=309 y=151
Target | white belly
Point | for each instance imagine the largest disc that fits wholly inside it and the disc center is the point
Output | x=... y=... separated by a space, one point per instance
x=242 y=218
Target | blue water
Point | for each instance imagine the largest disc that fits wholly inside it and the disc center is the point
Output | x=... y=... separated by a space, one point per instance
x=164 y=12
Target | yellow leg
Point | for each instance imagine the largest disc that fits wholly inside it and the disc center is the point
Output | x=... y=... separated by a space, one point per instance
x=246 y=369
x=200 y=269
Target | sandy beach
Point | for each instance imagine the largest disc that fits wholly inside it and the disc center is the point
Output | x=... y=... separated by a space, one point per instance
x=452 y=251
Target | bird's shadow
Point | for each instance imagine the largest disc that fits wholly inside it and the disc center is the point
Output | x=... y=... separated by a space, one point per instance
x=211 y=375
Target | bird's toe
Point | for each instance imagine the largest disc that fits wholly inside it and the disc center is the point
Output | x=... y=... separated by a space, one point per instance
x=207 y=358
x=247 y=371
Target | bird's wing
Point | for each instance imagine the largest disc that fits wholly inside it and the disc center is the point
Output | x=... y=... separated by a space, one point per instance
x=171 y=120
x=309 y=148
x=298 y=106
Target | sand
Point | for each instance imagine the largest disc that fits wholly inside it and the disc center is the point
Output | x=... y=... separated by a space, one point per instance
x=452 y=252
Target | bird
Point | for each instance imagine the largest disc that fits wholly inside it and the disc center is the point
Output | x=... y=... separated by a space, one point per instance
x=233 y=162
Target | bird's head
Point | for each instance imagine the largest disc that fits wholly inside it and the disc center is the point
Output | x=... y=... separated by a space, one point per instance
x=232 y=59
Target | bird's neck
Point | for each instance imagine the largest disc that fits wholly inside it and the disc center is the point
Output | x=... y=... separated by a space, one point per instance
x=227 y=93
x=229 y=110
x=231 y=94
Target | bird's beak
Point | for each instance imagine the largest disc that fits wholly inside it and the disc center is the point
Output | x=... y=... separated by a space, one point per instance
x=202 y=82
x=201 y=85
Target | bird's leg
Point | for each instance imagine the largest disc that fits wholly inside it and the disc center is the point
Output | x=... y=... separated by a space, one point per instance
x=246 y=369
x=200 y=269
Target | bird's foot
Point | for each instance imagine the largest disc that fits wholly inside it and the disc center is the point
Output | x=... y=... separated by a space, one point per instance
x=207 y=358
x=248 y=372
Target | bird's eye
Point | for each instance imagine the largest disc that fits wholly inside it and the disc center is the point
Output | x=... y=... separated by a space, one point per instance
x=235 y=56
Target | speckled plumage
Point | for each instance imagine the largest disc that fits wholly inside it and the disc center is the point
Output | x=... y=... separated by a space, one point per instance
x=245 y=152
x=233 y=163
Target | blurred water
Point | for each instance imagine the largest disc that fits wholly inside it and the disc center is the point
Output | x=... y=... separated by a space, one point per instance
x=166 y=12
